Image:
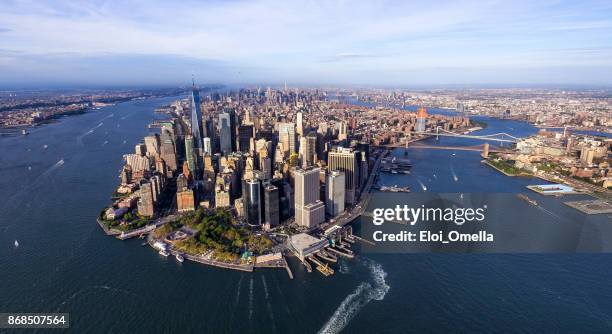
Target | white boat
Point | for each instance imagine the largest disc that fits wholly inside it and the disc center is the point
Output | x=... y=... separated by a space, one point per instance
x=16 y=243
x=164 y=252
x=180 y=258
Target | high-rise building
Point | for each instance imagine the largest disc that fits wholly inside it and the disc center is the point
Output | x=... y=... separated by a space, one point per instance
x=252 y=201
x=185 y=200
x=140 y=149
x=245 y=134
x=190 y=155
x=207 y=146
x=421 y=120
x=145 y=202
x=286 y=136
x=308 y=150
x=271 y=206
x=152 y=145
x=299 y=123
x=196 y=118
x=227 y=131
x=335 y=189
x=346 y=161
x=168 y=150
x=307 y=203
x=342 y=131
x=460 y=107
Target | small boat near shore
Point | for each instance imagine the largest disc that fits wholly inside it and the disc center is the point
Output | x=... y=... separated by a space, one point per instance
x=527 y=199
x=164 y=252
x=180 y=258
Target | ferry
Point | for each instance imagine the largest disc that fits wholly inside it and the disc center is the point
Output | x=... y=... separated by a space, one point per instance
x=395 y=189
x=164 y=252
x=180 y=258
x=527 y=199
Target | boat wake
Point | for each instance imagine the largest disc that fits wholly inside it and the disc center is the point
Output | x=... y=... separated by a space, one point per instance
x=455 y=178
x=376 y=289
x=344 y=268
x=55 y=166
x=90 y=131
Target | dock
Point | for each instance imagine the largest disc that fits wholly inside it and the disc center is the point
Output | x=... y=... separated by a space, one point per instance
x=323 y=268
x=339 y=252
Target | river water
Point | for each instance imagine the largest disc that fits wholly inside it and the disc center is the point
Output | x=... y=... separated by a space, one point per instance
x=55 y=181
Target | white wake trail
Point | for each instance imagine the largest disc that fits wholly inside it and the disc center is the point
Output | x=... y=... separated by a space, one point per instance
x=363 y=294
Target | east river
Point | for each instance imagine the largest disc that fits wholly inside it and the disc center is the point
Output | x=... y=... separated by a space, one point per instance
x=55 y=181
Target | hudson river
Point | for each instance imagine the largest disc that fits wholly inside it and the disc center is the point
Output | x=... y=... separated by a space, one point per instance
x=55 y=181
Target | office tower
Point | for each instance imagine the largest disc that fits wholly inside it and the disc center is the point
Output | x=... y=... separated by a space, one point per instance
x=421 y=120
x=460 y=107
x=140 y=149
x=196 y=118
x=313 y=214
x=251 y=196
x=211 y=133
x=145 y=202
x=245 y=134
x=308 y=150
x=307 y=203
x=168 y=150
x=190 y=155
x=335 y=189
x=286 y=136
x=185 y=200
x=342 y=131
x=137 y=162
x=227 y=131
x=126 y=175
x=265 y=165
x=152 y=145
x=160 y=166
x=207 y=146
x=271 y=206
x=299 y=123
x=345 y=160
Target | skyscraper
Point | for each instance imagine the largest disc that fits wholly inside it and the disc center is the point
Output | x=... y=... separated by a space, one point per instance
x=145 y=202
x=308 y=207
x=421 y=120
x=308 y=150
x=342 y=131
x=152 y=145
x=345 y=160
x=286 y=136
x=207 y=146
x=190 y=155
x=271 y=205
x=227 y=131
x=299 y=123
x=168 y=150
x=251 y=196
x=196 y=118
x=245 y=134
x=334 y=201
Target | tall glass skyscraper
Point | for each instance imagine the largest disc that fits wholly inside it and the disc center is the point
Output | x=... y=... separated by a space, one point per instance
x=196 y=118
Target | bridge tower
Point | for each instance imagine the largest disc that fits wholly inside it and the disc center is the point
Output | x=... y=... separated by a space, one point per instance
x=485 y=150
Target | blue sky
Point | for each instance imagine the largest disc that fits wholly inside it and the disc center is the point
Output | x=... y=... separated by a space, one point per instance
x=378 y=43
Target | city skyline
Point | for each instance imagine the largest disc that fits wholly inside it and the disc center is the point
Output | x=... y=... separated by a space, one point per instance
x=387 y=44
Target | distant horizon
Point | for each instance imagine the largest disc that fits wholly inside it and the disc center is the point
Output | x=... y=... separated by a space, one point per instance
x=383 y=44
x=277 y=85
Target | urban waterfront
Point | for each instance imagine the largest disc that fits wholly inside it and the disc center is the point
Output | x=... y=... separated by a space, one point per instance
x=56 y=179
